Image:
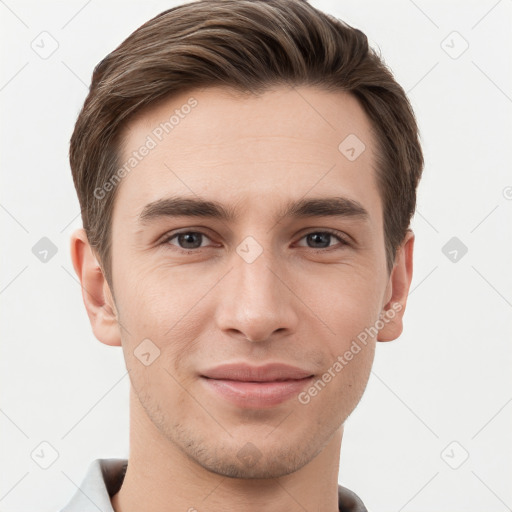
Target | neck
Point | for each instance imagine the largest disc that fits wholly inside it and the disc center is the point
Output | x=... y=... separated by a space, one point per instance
x=162 y=478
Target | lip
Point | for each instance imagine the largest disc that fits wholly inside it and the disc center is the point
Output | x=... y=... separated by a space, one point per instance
x=247 y=386
x=270 y=372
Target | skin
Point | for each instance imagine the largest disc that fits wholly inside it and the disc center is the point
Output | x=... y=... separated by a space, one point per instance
x=301 y=302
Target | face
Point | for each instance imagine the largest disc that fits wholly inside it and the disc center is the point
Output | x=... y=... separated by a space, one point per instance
x=264 y=283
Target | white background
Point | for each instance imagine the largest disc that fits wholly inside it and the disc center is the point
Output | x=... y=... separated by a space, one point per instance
x=448 y=376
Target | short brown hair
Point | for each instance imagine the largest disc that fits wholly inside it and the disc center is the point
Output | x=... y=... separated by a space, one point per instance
x=248 y=45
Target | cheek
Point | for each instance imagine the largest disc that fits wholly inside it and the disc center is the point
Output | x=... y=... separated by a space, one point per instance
x=158 y=337
x=162 y=315
x=350 y=311
x=338 y=389
x=346 y=299
x=152 y=301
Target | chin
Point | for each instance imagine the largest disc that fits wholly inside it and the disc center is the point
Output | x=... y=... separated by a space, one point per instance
x=248 y=456
x=255 y=466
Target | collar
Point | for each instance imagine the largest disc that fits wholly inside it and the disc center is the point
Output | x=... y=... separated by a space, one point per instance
x=104 y=478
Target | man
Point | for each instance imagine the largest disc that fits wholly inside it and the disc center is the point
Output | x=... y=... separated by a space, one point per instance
x=247 y=173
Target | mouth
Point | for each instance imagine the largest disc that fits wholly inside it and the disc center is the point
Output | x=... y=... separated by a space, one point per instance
x=248 y=386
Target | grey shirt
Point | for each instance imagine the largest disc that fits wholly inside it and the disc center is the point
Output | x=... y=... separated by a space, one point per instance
x=105 y=476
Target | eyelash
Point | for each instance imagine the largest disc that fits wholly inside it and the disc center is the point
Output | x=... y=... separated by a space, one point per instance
x=341 y=238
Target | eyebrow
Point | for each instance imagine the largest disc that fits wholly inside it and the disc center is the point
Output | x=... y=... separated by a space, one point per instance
x=303 y=208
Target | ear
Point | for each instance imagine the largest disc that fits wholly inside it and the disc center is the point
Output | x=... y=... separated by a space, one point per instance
x=96 y=293
x=397 y=291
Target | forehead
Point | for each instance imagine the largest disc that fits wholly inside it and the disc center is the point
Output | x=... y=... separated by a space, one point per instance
x=219 y=144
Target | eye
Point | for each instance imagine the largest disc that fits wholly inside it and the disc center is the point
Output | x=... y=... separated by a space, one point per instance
x=186 y=240
x=192 y=240
x=321 y=239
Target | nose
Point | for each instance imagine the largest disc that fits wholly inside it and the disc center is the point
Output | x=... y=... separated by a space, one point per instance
x=257 y=302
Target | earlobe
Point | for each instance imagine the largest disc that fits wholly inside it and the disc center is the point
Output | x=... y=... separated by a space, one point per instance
x=397 y=291
x=96 y=293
